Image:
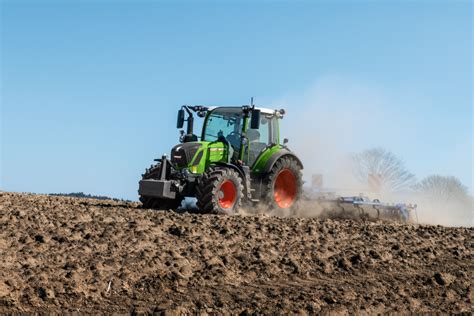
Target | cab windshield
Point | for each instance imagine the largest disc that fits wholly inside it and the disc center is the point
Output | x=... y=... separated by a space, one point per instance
x=224 y=124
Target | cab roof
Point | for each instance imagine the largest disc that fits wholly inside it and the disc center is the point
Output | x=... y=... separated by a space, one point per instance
x=262 y=110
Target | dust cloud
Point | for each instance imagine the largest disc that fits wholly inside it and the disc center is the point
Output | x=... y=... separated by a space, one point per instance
x=335 y=118
x=455 y=212
x=328 y=122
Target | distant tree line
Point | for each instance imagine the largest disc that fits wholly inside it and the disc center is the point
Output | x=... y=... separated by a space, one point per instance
x=88 y=196
x=389 y=174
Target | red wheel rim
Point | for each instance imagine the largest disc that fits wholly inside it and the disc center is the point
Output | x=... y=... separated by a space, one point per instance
x=285 y=188
x=227 y=194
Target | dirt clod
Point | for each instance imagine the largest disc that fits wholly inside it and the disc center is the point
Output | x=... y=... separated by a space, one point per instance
x=444 y=278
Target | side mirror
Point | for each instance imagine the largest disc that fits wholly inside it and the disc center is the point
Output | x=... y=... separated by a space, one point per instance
x=255 y=119
x=285 y=141
x=180 y=122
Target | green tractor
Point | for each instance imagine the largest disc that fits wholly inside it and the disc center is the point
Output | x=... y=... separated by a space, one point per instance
x=237 y=161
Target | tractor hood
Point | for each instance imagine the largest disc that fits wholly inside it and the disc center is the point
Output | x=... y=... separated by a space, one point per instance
x=182 y=154
x=198 y=155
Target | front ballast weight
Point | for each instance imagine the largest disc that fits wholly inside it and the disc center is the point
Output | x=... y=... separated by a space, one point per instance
x=157 y=188
x=161 y=187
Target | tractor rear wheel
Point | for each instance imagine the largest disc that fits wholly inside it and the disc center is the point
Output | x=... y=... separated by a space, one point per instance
x=284 y=185
x=220 y=191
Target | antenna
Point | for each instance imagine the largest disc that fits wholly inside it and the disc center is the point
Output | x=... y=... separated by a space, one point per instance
x=251 y=103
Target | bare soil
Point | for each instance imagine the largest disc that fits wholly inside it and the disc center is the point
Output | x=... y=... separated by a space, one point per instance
x=60 y=254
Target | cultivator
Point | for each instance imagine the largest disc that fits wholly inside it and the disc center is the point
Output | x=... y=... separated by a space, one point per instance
x=363 y=207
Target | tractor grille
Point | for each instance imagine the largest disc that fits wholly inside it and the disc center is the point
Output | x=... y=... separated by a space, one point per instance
x=182 y=154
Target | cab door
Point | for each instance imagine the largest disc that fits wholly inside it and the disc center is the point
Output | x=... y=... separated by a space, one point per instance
x=261 y=139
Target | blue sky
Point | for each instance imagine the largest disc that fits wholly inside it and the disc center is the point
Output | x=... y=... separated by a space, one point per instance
x=90 y=89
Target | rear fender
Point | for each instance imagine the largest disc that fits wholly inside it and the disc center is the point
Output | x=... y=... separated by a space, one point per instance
x=280 y=154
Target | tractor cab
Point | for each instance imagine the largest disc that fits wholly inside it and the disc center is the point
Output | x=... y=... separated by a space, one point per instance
x=246 y=131
x=228 y=124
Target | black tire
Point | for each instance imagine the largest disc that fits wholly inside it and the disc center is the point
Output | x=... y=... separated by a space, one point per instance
x=161 y=204
x=150 y=202
x=277 y=199
x=215 y=192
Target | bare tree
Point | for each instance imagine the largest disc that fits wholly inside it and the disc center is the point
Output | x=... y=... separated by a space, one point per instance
x=382 y=170
x=443 y=188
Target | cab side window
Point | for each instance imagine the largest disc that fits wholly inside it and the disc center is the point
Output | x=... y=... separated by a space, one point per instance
x=274 y=131
x=258 y=139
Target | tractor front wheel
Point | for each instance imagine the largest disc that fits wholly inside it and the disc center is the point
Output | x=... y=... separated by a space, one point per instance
x=220 y=191
x=284 y=185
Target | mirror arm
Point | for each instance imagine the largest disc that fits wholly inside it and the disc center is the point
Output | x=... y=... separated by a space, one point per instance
x=190 y=120
x=190 y=124
x=187 y=109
